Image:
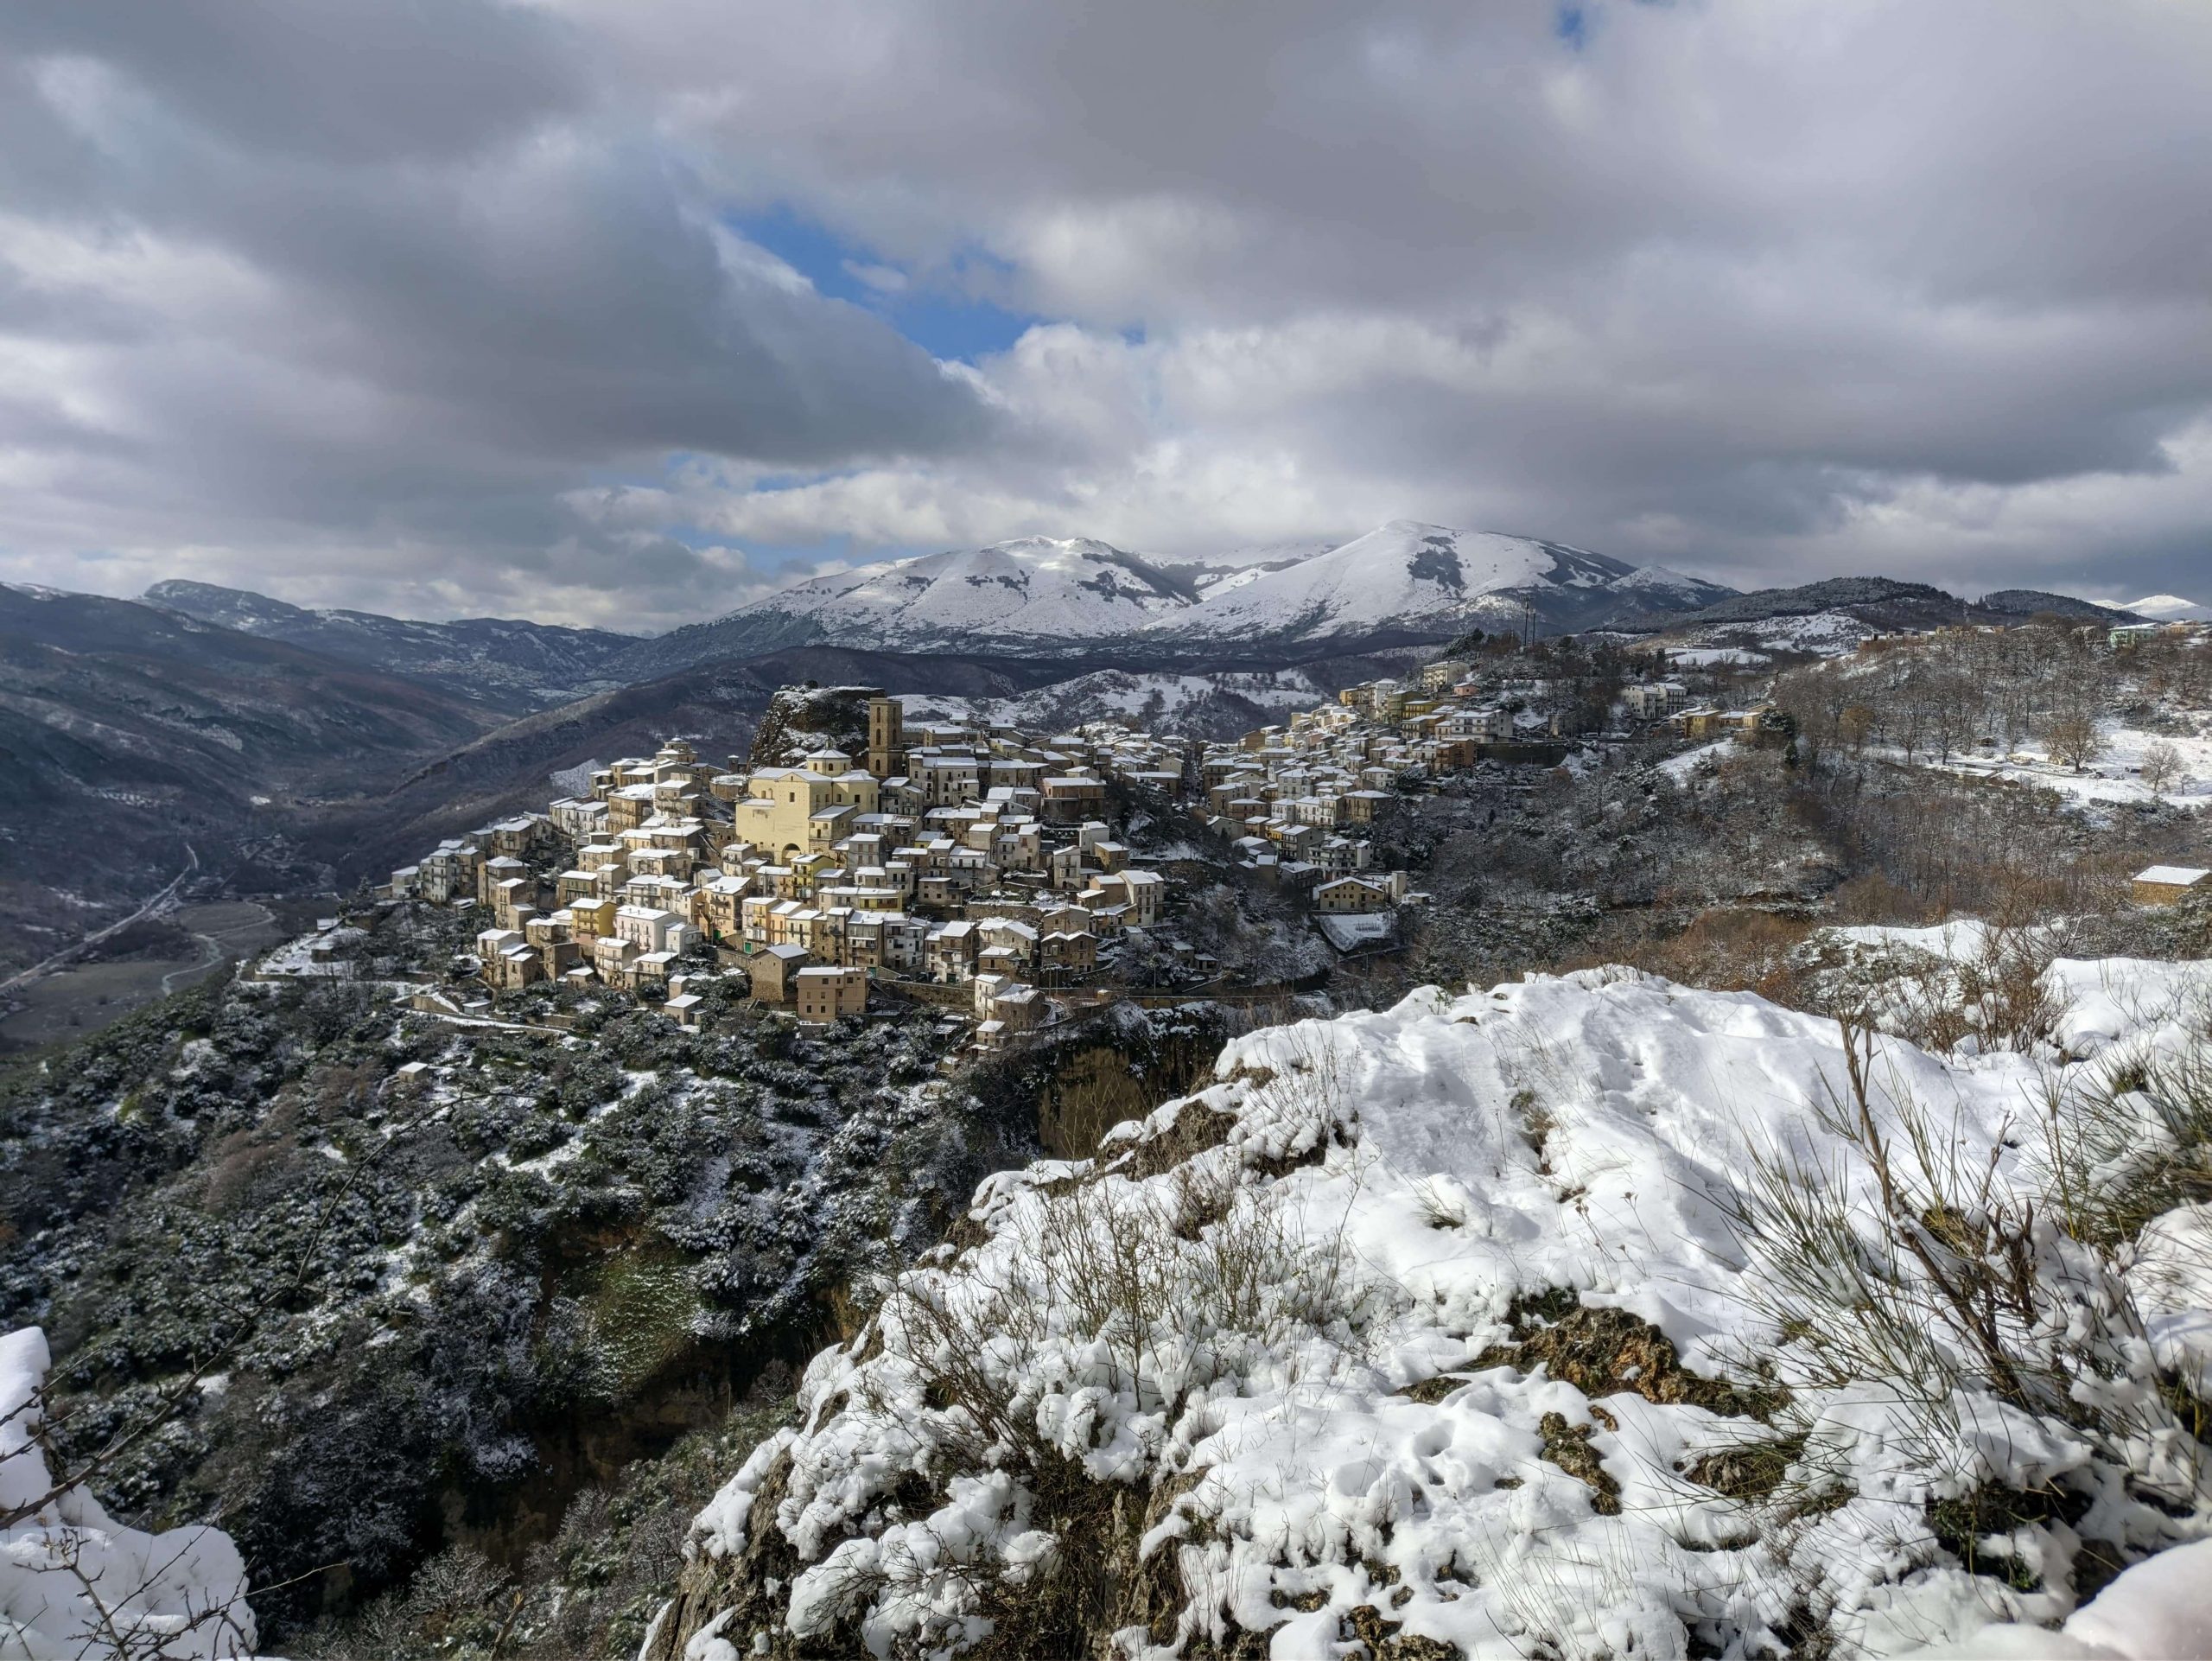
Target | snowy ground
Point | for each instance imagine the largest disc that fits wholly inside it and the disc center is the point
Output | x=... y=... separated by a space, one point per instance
x=1679 y=767
x=1322 y=1378
x=1824 y=633
x=296 y=956
x=2115 y=776
x=1706 y=657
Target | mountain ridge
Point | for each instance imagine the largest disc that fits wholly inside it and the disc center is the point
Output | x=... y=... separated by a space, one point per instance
x=1404 y=583
x=509 y=665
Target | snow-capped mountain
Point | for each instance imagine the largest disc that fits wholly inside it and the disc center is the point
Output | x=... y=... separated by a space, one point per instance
x=2170 y=608
x=1234 y=567
x=1408 y=581
x=1403 y=583
x=1012 y=596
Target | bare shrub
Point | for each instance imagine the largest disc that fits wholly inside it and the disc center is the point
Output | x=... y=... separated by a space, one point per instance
x=1872 y=897
x=1935 y=1283
x=2129 y=1137
x=1095 y=1092
x=1995 y=997
x=2073 y=739
x=1725 y=949
x=1171 y=1287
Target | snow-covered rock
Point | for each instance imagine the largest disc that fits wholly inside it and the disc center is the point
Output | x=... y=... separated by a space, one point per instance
x=76 y=1586
x=1444 y=1323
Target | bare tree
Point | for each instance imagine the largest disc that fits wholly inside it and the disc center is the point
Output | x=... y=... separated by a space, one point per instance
x=2072 y=737
x=2162 y=767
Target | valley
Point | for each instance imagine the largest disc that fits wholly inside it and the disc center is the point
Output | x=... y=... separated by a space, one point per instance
x=501 y=1256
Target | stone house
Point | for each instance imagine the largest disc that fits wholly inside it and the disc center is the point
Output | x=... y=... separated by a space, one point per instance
x=824 y=994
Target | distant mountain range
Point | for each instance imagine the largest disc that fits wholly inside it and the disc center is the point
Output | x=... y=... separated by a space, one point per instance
x=128 y=731
x=2170 y=608
x=1837 y=613
x=507 y=664
x=2031 y=602
x=1020 y=596
x=1402 y=584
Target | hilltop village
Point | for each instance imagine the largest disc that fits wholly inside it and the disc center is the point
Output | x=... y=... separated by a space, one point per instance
x=986 y=869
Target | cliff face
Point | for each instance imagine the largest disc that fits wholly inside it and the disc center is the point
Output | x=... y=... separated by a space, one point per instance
x=802 y=718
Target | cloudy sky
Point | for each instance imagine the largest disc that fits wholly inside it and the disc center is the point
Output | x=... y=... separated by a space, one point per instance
x=630 y=310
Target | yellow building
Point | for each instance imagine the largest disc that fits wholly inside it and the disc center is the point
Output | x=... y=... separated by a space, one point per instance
x=790 y=812
x=826 y=993
x=591 y=920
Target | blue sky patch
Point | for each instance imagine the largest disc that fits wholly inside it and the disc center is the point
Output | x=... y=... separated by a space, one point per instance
x=944 y=323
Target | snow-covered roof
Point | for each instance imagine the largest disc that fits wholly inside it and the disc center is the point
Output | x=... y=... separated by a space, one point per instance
x=2175 y=876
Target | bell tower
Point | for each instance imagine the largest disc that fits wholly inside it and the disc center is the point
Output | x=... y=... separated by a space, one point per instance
x=886 y=737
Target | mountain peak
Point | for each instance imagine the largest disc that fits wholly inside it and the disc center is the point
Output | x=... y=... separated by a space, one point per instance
x=2170 y=608
x=1407 y=580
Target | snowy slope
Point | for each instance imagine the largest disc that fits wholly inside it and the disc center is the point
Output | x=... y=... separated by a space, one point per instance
x=1403 y=583
x=1662 y=589
x=1217 y=704
x=2170 y=608
x=1019 y=595
x=1286 y=1329
x=1428 y=580
x=1237 y=566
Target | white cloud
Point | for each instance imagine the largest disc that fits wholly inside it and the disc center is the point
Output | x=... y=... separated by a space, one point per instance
x=1765 y=288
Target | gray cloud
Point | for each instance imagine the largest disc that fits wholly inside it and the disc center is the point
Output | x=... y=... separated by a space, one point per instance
x=335 y=294
x=374 y=301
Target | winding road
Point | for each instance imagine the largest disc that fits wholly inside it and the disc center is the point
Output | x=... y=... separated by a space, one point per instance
x=153 y=907
x=213 y=942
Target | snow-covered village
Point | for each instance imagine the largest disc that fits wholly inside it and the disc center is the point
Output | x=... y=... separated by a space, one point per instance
x=1672 y=1143
x=972 y=832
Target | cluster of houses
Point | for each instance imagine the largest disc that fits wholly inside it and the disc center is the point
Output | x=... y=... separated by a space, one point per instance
x=979 y=858
x=1296 y=801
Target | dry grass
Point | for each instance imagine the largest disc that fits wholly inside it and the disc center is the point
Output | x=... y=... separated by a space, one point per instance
x=1096 y=1092
x=1936 y=1281
x=1722 y=949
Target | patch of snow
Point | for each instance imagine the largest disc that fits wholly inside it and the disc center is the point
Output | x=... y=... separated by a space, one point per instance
x=1679 y=767
x=72 y=1581
x=1350 y=931
x=2115 y=777
x=2160 y=1610
x=1705 y=656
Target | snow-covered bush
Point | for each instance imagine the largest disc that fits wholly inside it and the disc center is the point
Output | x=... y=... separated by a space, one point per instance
x=75 y=1585
x=1591 y=1316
